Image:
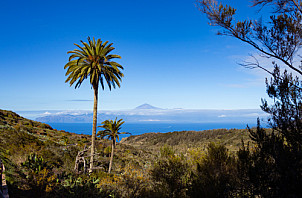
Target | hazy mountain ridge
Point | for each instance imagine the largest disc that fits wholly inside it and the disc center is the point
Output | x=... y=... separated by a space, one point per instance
x=148 y=113
x=146 y=106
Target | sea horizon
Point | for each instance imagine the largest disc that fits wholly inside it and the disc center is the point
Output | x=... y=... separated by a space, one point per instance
x=147 y=127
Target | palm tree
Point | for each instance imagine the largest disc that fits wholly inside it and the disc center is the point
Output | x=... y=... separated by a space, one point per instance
x=111 y=132
x=94 y=61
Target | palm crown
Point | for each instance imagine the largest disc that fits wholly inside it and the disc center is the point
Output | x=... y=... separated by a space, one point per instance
x=93 y=60
x=112 y=128
x=111 y=132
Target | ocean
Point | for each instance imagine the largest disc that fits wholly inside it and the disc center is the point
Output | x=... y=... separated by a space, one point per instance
x=140 y=128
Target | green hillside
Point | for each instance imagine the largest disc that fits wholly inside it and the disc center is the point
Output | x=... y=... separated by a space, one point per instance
x=40 y=160
x=183 y=140
x=21 y=137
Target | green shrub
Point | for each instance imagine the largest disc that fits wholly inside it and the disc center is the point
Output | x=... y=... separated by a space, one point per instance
x=79 y=186
x=39 y=175
x=215 y=175
x=107 y=151
x=171 y=174
x=35 y=163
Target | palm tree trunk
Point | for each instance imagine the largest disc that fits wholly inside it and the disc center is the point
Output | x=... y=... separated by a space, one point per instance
x=111 y=158
x=95 y=111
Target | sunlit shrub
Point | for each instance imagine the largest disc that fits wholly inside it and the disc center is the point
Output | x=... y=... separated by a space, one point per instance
x=215 y=175
x=171 y=174
x=39 y=175
x=135 y=182
x=109 y=184
x=78 y=186
x=132 y=182
x=107 y=151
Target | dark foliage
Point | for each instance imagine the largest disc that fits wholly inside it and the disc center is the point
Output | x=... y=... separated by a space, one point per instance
x=277 y=160
x=171 y=173
x=215 y=175
x=274 y=167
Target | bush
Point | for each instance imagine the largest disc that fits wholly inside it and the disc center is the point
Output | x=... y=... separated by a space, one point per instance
x=80 y=186
x=39 y=175
x=215 y=175
x=171 y=174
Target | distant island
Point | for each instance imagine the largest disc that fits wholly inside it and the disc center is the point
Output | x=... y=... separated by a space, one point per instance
x=149 y=113
x=146 y=106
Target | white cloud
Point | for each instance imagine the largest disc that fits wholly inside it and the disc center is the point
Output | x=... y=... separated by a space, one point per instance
x=151 y=120
x=258 y=75
x=255 y=115
x=46 y=113
x=267 y=64
x=222 y=116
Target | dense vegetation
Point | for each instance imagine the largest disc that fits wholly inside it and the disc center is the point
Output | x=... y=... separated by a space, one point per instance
x=40 y=161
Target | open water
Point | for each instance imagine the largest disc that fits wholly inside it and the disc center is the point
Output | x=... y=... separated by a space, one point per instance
x=140 y=128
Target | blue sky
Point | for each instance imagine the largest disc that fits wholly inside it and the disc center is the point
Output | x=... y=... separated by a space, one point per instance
x=172 y=57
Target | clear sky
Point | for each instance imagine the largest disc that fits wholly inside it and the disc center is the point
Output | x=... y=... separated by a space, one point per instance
x=172 y=57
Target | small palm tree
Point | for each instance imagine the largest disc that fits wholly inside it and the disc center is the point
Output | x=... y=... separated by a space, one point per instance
x=94 y=61
x=111 y=132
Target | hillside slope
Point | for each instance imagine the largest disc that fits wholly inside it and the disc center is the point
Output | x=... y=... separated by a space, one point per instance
x=12 y=121
x=183 y=140
x=21 y=137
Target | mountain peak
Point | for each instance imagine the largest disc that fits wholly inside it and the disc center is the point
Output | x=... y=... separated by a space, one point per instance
x=146 y=106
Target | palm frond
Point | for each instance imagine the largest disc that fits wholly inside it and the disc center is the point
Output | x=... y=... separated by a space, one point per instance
x=111 y=129
x=93 y=60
